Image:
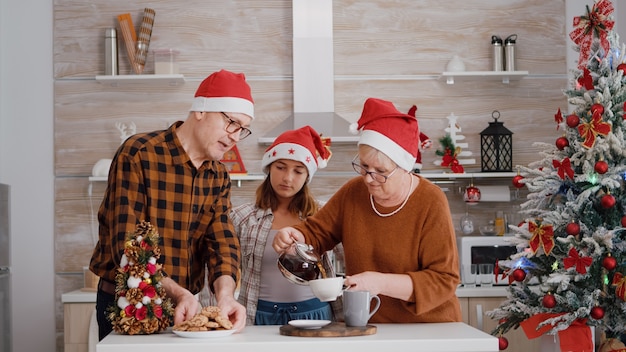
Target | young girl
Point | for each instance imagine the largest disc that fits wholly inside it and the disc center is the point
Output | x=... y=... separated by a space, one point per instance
x=283 y=199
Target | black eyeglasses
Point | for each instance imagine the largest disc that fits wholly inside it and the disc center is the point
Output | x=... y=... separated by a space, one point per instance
x=378 y=177
x=234 y=126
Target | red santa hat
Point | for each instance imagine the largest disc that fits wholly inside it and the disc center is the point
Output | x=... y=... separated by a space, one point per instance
x=224 y=91
x=303 y=144
x=390 y=131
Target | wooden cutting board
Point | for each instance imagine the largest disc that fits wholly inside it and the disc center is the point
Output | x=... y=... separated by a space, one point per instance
x=330 y=330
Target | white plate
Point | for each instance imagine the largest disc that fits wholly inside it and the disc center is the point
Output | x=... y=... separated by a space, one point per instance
x=203 y=334
x=309 y=324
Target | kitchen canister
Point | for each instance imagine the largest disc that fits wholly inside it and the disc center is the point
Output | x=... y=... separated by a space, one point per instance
x=497 y=53
x=509 y=52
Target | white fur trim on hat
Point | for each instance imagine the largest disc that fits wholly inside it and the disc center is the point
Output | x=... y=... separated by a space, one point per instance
x=388 y=147
x=226 y=104
x=291 y=151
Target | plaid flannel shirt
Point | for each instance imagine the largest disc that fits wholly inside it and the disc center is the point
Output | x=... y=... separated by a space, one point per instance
x=153 y=179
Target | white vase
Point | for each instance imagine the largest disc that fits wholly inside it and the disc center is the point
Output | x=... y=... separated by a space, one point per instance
x=551 y=343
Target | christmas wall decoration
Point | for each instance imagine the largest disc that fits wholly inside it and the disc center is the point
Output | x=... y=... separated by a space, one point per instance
x=141 y=305
x=452 y=153
x=234 y=163
x=573 y=242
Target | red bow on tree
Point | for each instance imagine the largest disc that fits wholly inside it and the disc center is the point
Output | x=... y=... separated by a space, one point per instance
x=575 y=259
x=590 y=130
x=620 y=281
x=564 y=168
x=543 y=235
x=595 y=23
x=558 y=118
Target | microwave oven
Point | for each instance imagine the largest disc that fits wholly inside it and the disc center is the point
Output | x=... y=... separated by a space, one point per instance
x=484 y=250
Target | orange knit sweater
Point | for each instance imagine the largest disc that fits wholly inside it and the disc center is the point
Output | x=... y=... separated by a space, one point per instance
x=419 y=241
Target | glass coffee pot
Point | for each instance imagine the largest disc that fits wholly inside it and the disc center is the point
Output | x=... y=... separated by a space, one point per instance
x=300 y=264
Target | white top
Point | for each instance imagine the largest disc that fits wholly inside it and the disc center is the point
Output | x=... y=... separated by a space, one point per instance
x=433 y=337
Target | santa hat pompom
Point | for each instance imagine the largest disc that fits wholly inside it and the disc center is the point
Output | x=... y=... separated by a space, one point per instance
x=304 y=145
x=354 y=128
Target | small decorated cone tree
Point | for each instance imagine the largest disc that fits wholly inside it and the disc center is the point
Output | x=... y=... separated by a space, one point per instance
x=573 y=243
x=141 y=305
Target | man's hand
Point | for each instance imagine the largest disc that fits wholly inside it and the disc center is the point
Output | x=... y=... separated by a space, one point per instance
x=187 y=306
x=225 y=294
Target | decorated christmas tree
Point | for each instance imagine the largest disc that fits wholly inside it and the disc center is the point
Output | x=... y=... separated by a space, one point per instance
x=570 y=271
x=141 y=304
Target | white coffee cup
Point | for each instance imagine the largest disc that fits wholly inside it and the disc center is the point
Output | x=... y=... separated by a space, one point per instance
x=357 y=307
x=327 y=289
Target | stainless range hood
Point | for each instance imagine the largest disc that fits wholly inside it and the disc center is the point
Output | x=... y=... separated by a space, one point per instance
x=313 y=74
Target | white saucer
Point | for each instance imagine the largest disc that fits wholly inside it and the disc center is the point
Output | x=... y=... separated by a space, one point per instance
x=203 y=334
x=309 y=324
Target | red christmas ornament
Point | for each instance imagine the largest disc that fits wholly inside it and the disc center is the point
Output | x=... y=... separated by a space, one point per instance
x=518 y=275
x=572 y=121
x=607 y=201
x=597 y=108
x=572 y=229
x=561 y=143
x=609 y=263
x=549 y=301
x=597 y=313
x=503 y=343
x=601 y=167
x=621 y=67
x=516 y=181
x=624 y=221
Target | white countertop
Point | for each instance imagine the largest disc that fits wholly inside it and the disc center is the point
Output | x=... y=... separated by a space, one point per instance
x=81 y=296
x=457 y=337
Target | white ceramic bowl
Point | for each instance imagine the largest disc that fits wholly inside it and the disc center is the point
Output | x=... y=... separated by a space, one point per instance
x=327 y=289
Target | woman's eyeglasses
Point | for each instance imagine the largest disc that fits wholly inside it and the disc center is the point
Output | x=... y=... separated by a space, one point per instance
x=234 y=126
x=378 y=177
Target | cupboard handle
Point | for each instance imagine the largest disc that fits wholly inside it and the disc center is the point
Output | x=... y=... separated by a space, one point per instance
x=479 y=316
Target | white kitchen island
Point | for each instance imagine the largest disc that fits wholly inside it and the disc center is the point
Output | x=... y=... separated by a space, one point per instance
x=457 y=337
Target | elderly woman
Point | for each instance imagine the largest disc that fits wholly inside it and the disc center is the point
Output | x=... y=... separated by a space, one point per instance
x=395 y=226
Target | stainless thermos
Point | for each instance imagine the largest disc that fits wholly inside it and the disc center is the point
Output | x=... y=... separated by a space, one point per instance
x=110 y=52
x=498 y=53
x=509 y=52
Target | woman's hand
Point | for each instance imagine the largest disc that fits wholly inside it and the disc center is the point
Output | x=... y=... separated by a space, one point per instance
x=393 y=285
x=285 y=237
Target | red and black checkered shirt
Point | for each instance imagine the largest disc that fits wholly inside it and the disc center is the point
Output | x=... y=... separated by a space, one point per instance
x=153 y=179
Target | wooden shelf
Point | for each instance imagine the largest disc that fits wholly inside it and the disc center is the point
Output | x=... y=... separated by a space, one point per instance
x=117 y=80
x=505 y=76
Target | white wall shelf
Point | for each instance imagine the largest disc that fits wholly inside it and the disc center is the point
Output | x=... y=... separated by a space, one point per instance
x=476 y=175
x=504 y=76
x=117 y=80
x=233 y=177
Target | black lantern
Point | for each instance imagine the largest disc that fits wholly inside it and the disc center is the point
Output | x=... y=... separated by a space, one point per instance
x=496 y=147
